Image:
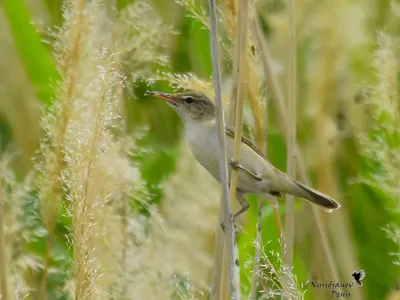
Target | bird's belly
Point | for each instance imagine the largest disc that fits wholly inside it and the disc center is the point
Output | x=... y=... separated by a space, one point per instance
x=209 y=162
x=208 y=158
x=248 y=184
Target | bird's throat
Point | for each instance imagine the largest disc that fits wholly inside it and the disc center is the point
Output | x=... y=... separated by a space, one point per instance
x=203 y=141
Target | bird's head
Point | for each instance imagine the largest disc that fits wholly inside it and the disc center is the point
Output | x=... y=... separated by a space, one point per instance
x=191 y=106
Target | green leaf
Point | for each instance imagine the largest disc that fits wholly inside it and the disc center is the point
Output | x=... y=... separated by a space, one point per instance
x=35 y=56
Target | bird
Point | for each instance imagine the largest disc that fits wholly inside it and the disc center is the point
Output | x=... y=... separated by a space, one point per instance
x=358 y=276
x=255 y=174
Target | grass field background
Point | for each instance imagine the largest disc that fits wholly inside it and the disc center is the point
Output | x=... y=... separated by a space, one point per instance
x=101 y=196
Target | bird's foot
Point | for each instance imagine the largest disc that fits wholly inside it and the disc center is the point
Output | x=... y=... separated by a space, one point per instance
x=237 y=166
x=234 y=164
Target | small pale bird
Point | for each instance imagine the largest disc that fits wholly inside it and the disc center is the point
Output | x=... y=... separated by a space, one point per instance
x=256 y=174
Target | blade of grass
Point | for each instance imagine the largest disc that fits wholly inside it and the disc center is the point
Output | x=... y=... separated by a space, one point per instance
x=240 y=72
x=54 y=196
x=36 y=58
x=260 y=134
x=3 y=270
x=261 y=137
x=219 y=286
x=118 y=6
x=234 y=284
x=258 y=241
x=257 y=255
x=291 y=140
x=279 y=101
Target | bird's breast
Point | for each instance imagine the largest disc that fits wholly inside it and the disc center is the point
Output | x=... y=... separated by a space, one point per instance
x=204 y=145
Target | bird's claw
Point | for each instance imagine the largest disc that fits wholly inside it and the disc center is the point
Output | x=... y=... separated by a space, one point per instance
x=234 y=164
x=237 y=166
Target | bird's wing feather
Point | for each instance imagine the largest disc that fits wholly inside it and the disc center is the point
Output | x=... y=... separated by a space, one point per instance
x=273 y=170
x=245 y=140
x=270 y=172
x=249 y=143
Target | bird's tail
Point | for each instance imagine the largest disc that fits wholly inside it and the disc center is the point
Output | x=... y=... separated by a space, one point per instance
x=315 y=197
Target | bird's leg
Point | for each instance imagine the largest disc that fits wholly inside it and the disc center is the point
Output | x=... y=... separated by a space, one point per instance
x=237 y=166
x=244 y=206
x=243 y=203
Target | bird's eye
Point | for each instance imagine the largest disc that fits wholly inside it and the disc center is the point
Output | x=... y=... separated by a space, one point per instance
x=189 y=99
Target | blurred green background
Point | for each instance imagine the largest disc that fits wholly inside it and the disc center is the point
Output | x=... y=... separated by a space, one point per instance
x=348 y=131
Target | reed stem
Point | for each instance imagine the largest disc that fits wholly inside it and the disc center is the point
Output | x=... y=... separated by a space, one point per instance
x=291 y=140
x=231 y=247
x=3 y=270
x=277 y=97
x=240 y=71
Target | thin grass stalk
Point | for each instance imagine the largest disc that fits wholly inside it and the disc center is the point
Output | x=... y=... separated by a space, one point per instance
x=234 y=284
x=219 y=285
x=270 y=77
x=236 y=71
x=242 y=21
x=253 y=97
x=279 y=101
x=3 y=266
x=231 y=5
x=278 y=92
x=82 y=207
x=253 y=101
x=257 y=255
x=232 y=116
x=120 y=97
x=54 y=196
x=278 y=221
x=291 y=140
x=334 y=274
x=260 y=137
x=260 y=134
x=238 y=88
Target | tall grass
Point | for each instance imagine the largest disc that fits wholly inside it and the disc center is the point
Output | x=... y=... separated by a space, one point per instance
x=84 y=163
x=382 y=142
x=231 y=251
x=54 y=159
x=291 y=135
x=240 y=62
x=3 y=265
x=127 y=213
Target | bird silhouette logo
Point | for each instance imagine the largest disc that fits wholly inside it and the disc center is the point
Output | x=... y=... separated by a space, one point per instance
x=358 y=276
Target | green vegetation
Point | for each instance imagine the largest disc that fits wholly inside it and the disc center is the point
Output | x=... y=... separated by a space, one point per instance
x=100 y=197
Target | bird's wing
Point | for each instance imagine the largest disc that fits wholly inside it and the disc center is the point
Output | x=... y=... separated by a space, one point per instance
x=274 y=172
x=253 y=147
x=245 y=140
x=249 y=143
x=362 y=274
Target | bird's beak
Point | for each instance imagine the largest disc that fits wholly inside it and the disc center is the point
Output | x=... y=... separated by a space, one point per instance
x=164 y=96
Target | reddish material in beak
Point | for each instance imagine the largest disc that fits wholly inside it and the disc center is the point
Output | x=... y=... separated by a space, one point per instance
x=167 y=97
